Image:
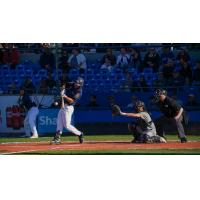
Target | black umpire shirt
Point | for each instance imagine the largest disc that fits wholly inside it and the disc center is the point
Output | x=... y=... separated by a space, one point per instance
x=169 y=107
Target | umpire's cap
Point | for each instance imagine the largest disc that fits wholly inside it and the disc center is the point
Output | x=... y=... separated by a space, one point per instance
x=80 y=81
x=157 y=95
x=160 y=92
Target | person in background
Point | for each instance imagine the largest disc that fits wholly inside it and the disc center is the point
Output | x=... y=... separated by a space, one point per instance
x=196 y=73
x=131 y=105
x=185 y=71
x=111 y=100
x=43 y=88
x=128 y=82
x=1 y=54
x=28 y=86
x=77 y=61
x=159 y=81
x=109 y=55
x=167 y=69
x=32 y=111
x=63 y=61
x=179 y=101
x=93 y=101
x=11 y=56
x=142 y=84
x=51 y=83
x=177 y=80
x=191 y=101
x=107 y=65
x=135 y=58
x=167 y=54
x=123 y=59
x=183 y=55
x=47 y=59
x=152 y=60
x=13 y=88
x=64 y=79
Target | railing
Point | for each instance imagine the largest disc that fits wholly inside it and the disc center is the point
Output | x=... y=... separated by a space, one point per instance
x=36 y=47
x=119 y=94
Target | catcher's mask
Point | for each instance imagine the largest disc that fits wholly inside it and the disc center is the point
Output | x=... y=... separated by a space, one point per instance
x=158 y=93
x=139 y=104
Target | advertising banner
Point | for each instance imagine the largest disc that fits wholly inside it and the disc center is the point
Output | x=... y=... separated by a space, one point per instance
x=11 y=117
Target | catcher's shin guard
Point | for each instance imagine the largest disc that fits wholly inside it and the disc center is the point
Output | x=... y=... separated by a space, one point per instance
x=136 y=135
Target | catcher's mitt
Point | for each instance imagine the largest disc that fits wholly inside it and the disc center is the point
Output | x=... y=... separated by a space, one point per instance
x=116 y=110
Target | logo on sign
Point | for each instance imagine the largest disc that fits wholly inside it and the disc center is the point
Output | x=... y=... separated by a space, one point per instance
x=47 y=121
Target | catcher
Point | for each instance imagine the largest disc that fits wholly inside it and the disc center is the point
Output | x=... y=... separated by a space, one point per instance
x=143 y=128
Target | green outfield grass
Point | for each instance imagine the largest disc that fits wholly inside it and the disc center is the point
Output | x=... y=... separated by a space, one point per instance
x=124 y=138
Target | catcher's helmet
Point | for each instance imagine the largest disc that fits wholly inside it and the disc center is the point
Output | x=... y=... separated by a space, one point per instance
x=139 y=104
x=79 y=81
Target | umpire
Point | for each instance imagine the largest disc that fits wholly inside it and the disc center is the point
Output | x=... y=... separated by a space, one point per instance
x=173 y=114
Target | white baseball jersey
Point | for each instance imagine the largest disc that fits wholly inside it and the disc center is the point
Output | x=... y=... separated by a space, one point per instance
x=65 y=114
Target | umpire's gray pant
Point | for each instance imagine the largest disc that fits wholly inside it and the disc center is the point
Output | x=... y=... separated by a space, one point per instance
x=163 y=121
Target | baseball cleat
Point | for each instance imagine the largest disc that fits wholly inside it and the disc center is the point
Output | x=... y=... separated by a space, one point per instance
x=81 y=139
x=163 y=140
x=34 y=136
x=183 y=140
x=135 y=141
x=56 y=140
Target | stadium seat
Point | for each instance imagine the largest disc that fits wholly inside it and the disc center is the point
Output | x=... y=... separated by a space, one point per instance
x=20 y=67
x=42 y=73
x=148 y=70
x=28 y=73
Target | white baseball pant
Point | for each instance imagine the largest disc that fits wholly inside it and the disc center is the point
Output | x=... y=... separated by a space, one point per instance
x=64 y=120
x=30 y=121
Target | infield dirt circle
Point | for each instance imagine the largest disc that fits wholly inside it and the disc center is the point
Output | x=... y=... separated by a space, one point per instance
x=25 y=147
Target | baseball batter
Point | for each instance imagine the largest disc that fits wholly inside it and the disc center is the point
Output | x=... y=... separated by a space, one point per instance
x=69 y=97
x=32 y=112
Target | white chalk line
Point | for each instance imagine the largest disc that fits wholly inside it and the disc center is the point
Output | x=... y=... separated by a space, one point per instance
x=63 y=145
x=33 y=150
x=89 y=141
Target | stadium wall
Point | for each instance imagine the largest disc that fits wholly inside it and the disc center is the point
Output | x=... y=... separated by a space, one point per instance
x=102 y=123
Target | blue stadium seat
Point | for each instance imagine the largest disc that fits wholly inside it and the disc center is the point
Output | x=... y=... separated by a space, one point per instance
x=103 y=71
x=42 y=73
x=20 y=67
x=28 y=73
x=88 y=72
x=74 y=72
x=22 y=77
x=89 y=77
x=148 y=70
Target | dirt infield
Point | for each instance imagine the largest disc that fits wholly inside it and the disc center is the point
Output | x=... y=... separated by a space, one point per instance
x=25 y=147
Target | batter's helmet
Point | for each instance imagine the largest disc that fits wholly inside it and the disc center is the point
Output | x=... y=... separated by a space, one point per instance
x=139 y=104
x=79 y=81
